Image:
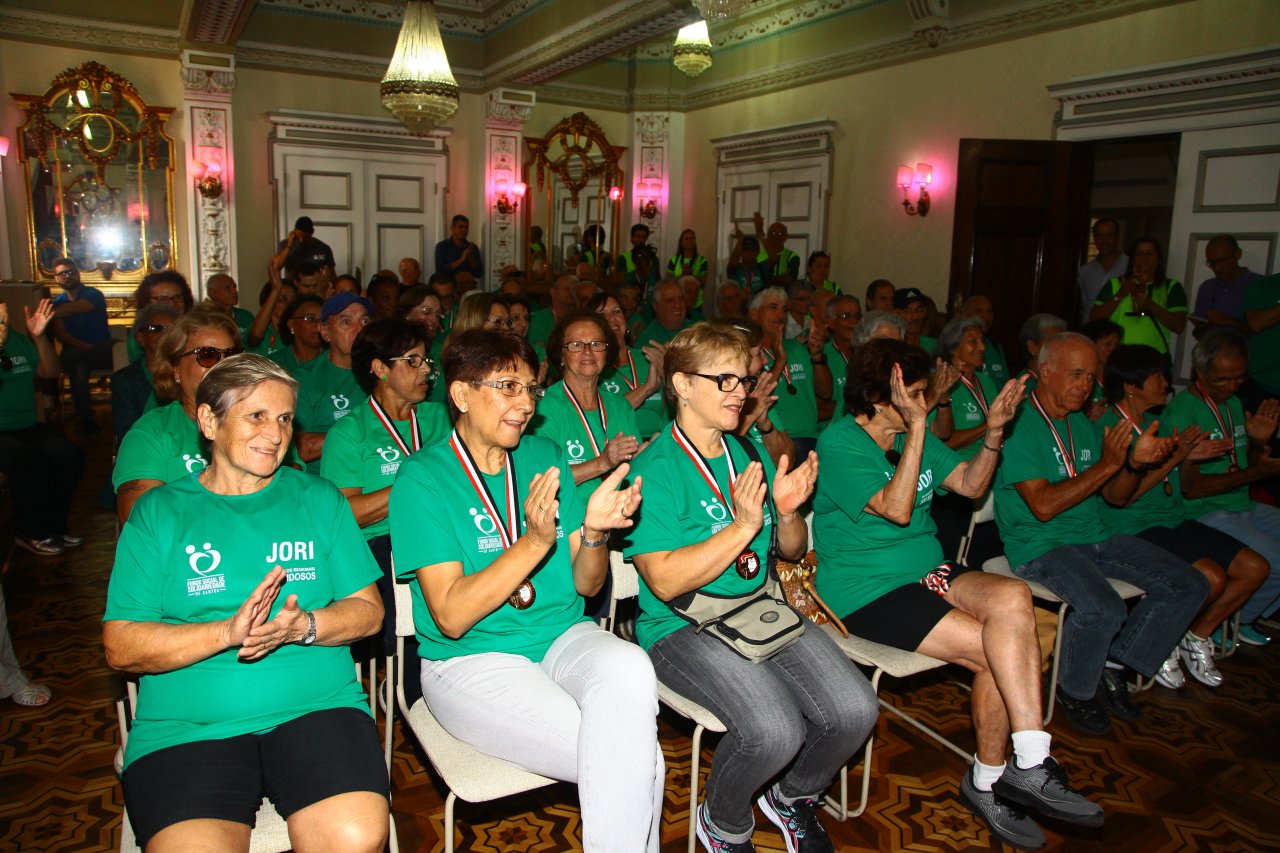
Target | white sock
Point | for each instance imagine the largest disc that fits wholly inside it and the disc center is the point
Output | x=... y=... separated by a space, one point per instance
x=1030 y=748
x=1113 y=665
x=1191 y=635
x=985 y=775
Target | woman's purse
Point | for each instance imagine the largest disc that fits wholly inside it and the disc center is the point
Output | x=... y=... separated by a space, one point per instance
x=798 y=581
x=756 y=626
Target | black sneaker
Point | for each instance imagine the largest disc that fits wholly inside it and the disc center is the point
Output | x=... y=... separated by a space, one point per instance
x=1045 y=789
x=713 y=843
x=1085 y=715
x=1114 y=695
x=798 y=821
x=1007 y=822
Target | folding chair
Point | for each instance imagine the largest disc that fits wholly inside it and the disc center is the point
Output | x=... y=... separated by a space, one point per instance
x=1000 y=566
x=884 y=660
x=466 y=772
x=984 y=510
x=626 y=584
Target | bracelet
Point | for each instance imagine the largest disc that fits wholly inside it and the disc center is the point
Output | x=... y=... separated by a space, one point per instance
x=592 y=543
x=986 y=446
x=769 y=431
x=944 y=405
x=813 y=359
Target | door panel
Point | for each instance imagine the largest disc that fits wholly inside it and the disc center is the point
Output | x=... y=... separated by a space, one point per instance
x=793 y=192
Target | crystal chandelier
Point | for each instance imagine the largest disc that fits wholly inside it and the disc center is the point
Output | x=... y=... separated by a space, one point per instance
x=419 y=89
x=692 y=51
x=721 y=10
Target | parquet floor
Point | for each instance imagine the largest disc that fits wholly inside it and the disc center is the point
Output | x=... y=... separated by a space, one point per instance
x=1200 y=771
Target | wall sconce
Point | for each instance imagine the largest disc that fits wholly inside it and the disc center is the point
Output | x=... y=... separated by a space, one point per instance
x=923 y=175
x=210 y=183
x=506 y=190
x=4 y=146
x=650 y=192
x=615 y=193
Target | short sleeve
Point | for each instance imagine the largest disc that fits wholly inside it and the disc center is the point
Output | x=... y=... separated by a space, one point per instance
x=657 y=527
x=1257 y=295
x=1021 y=460
x=1176 y=298
x=861 y=477
x=340 y=462
x=134 y=592
x=350 y=562
x=1107 y=293
x=141 y=456
x=939 y=458
x=572 y=510
x=415 y=501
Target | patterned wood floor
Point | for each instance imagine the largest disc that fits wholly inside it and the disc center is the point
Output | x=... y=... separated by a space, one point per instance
x=1200 y=771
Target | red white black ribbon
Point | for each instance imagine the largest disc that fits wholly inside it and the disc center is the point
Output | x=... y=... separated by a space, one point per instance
x=786 y=367
x=389 y=425
x=582 y=415
x=1228 y=427
x=634 y=382
x=975 y=389
x=509 y=531
x=1068 y=450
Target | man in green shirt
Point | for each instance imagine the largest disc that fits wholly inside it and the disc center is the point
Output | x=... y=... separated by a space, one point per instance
x=1219 y=493
x=804 y=374
x=563 y=303
x=1262 y=313
x=1046 y=494
x=669 y=316
x=328 y=391
x=908 y=303
x=224 y=296
x=640 y=263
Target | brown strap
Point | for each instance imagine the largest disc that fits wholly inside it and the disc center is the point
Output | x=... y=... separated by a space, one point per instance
x=831 y=616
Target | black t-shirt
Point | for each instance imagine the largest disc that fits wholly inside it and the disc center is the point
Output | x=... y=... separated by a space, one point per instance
x=312 y=250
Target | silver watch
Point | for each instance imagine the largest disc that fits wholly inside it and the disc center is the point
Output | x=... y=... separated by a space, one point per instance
x=311 y=630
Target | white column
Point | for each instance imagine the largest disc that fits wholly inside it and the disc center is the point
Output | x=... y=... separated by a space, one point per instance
x=207 y=83
x=651 y=159
x=508 y=110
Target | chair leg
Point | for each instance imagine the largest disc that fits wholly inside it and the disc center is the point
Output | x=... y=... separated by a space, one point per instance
x=449 y=803
x=393 y=841
x=841 y=810
x=695 y=762
x=1053 y=670
x=1230 y=635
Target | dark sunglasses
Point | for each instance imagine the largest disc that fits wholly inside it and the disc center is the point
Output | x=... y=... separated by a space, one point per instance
x=209 y=356
x=158 y=328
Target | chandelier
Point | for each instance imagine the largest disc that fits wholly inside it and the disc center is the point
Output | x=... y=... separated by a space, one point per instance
x=721 y=10
x=692 y=51
x=419 y=89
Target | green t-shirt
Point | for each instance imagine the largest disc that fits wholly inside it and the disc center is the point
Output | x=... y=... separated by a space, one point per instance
x=928 y=344
x=163 y=444
x=994 y=363
x=657 y=333
x=18 y=384
x=862 y=555
x=432 y=489
x=358 y=452
x=1264 y=346
x=286 y=358
x=243 y=320
x=326 y=395
x=652 y=413
x=439 y=392
x=541 y=322
x=188 y=555
x=1185 y=409
x=1153 y=509
x=680 y=509
x=558 y=420
x=796 y=413
x=966 y=411
x=269 y=345
x=1145 y=329
x=1031 y=453
x=839 y=374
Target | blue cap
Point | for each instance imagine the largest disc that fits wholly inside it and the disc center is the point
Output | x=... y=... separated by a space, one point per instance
x=341 y=301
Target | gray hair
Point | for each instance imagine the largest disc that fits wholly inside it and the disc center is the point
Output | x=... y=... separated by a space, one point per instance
x=831 y=311
x=759 y=298
x=232 y=379
x=1214 y=343
x=147 y=315
x=666 y=282
x=953 y=333
x=1054 y=345
x=1040 y=326
x=800 y=288
x=873 y=320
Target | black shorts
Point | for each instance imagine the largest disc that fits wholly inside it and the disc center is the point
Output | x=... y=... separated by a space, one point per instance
x=1193 y=541
x=902 y=617
x=301 y=762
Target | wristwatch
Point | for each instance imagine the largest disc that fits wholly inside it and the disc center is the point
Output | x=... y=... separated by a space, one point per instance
x=311 y=629
x=592 y=543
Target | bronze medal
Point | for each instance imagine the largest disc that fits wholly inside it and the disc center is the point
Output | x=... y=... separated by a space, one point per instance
x=1168 y=488
x=791 y=389
x=748 y=564
x=523 y=597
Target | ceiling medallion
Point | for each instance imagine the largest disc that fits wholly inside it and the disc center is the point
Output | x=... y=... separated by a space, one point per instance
x=692 y=51
x=419 y=89
x=721 y=10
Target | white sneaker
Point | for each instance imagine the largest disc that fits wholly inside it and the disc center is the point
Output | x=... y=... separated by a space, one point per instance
x=1170 y=673
x=1197 y=654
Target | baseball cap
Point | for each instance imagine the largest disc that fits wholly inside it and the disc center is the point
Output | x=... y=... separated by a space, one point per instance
x=304 y=223
x=341 y=301
x=904 y=296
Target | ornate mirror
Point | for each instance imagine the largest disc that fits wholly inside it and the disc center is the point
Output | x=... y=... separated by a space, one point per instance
x=99 y=170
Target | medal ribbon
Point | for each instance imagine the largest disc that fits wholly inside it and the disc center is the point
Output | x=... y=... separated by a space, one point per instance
x=704 y=469
x=510 y=531
x=389 y=425
x=634 y=382
x=975 y=388
x=1137 y=430
x=1068 y=459
x=604 y=418
x=1229 y=424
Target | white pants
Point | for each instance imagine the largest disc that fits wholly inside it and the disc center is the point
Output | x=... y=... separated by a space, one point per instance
x=586 y=714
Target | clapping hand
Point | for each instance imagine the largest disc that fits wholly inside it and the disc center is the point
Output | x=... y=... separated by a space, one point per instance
x=792 y=488
x=756 y=407
x=611 y=508
x=1115 y=445
x=1004 y=407
x=541 y=506
x=39 y=321
x=621 y=448
x=1261 y=425
x=1149 y=448
x=748 y=496
x=288 y=626
x=910 y=406
x=944 y=378
x=252 y=613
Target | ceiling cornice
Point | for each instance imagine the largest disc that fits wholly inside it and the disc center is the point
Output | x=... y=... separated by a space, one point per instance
x=273 y=56
x=65 y=29
x=218 y=21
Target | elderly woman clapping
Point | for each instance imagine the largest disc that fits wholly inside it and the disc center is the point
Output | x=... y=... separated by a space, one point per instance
x=243 y=673
x=509 y=663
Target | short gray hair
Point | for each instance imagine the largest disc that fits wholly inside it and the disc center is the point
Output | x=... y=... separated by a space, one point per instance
x=234 y=378
x=759 y=298
x=1053 y=346
x=1215 y=342
x=953 y=333
x=873 y=320
x=831 y=311
x=1038 y=326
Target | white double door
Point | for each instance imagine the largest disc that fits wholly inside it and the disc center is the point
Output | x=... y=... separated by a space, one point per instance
x=372 y=208
x=793 y=192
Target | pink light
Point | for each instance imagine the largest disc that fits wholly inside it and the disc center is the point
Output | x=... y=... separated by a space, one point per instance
x=519 y=189
x=213 y=169
x=924 y=173
x=615 y=193
x=4 y=146
x=905 y=177
x=501 y=185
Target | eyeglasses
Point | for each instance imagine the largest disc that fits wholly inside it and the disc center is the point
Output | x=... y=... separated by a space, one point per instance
x=848 y=315
x=730 y=381
x=209 y=356
x=176 y=299
x=426 y=312
x=579 y=346
x=416 y=361
x=777 y=233
x=6 y=362
x=512 y=387
x=306 y=318
x=64 y=274
x=498 y=321
x=155 y=328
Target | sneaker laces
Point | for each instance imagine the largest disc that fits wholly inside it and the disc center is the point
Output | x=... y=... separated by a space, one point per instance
x=1057 y=775
x=801 y=817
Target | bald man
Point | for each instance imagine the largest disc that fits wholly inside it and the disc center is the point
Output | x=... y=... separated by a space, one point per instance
x=223 y=294
x=410 y=272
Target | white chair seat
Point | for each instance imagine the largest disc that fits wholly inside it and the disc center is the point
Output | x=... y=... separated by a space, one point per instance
x=270 y=833
x=688 y=708
x=894 y=662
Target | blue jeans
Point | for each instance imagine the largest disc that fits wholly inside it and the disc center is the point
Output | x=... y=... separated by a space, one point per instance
x=804 y=710
x=1099 y=625
x=1259 y=528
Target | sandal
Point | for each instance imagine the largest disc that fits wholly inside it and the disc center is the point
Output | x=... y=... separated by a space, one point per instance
x=32 y=696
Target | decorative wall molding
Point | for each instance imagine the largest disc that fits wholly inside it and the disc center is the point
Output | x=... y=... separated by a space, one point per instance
x=368 y=133
x=651 y=162
x=219 y=21
x=510 y=107
x=88 y=31
x=930 y=19
x=465 y=18
x=775 y=143
x=331 y=63
x=652 y=128
x=508 y=110
x=208 y=76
